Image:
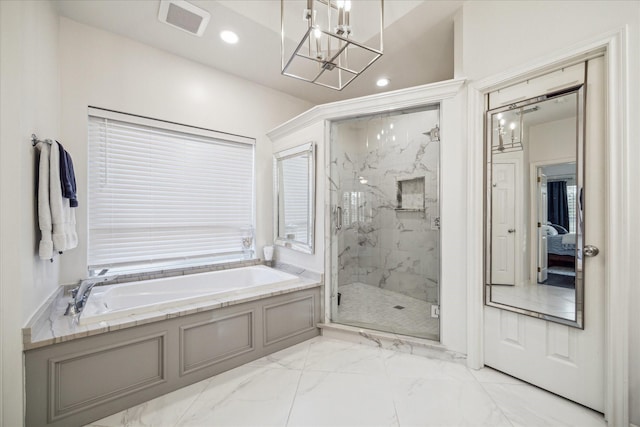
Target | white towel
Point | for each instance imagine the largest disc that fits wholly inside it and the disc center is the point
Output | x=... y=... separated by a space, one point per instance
x=44 y=209
x=57 y=220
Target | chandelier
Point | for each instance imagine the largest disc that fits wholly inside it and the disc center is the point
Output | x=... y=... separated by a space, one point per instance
x=330 y=42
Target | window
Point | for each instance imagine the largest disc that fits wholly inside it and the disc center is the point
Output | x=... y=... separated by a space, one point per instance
x=162 y=194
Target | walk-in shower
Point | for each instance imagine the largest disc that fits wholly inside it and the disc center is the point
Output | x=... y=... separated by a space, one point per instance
x=385 y=222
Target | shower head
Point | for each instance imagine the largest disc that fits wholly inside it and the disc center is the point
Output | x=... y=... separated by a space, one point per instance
x=433 y=134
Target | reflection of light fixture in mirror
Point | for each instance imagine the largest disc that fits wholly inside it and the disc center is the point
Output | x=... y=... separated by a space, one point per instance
x=326 y=52
x=515 y=140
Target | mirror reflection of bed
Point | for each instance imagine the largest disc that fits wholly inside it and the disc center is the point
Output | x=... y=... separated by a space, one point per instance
x=560 y=224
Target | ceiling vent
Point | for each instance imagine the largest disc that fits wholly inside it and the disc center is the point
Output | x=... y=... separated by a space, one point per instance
x=184 y=15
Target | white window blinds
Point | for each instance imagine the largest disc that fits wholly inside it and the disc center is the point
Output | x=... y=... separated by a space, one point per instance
x=161 y=193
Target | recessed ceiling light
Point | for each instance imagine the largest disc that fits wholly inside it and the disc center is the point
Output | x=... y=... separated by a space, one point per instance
x=382 y=82
x=229 y=37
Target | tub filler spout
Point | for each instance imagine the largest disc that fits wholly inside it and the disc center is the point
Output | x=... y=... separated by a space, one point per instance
x=80 y=294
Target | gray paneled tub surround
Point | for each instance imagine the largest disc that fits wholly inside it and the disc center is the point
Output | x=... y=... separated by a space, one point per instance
x=76 y=374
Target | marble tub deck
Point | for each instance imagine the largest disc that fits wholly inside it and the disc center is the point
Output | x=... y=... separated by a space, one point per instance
x=50 y=326
x=328 y=382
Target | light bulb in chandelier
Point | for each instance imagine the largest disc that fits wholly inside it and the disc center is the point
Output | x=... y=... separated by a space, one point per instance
x=329 y=52
x=344 y=9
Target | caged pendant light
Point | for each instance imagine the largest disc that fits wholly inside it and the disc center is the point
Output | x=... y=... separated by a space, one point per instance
x=330 y=42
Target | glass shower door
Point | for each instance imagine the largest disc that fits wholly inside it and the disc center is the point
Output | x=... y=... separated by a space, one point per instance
x=385 y=234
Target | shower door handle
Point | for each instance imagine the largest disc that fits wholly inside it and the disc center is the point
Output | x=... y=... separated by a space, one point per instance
x=338 y=218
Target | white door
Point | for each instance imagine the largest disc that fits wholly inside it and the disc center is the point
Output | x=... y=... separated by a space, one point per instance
x=565 y=360
x=542 y=230
x=503 y=207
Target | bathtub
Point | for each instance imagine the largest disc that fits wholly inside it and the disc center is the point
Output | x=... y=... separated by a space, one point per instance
x=116 y=301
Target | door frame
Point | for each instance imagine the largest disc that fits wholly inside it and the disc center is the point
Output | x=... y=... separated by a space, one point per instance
x=618 y=269
x=533 y=177
x=538 y=211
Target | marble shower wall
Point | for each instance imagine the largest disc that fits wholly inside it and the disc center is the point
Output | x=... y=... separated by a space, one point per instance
x=378 y=244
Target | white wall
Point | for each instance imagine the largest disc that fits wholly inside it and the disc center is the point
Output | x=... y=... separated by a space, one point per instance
x=315 y=261
x=552 y=141
x=105 y=70
x=498 y=36
x=30 y=103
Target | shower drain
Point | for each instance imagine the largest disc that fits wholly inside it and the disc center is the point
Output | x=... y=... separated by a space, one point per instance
x=399 y=307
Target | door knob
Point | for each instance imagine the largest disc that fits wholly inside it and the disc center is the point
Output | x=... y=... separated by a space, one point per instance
x=590 y=250
x=511 y=230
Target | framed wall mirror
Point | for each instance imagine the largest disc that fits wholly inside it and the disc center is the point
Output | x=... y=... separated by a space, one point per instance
x=294 y=197
x=534 y=214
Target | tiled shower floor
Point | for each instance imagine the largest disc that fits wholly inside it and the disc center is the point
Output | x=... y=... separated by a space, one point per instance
x=375 y=308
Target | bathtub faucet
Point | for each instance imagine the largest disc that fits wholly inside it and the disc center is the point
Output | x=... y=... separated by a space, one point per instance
x=80 y=294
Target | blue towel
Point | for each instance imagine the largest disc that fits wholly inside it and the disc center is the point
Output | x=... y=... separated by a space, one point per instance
x=67 y=177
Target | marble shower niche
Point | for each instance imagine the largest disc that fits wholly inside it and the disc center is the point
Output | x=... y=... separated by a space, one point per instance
x=385 y=198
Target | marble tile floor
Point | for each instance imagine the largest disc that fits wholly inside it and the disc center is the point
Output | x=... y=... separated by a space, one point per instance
x=552 y=300
x=371 y=307
x=328 y=382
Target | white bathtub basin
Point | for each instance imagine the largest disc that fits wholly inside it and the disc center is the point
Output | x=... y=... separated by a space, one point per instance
x=116 y=301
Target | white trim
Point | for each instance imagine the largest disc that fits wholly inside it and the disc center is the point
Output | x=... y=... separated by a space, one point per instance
x=372 y=104
x=618 y=273
x=475 y=228
x=328 y=231
x=163 y=124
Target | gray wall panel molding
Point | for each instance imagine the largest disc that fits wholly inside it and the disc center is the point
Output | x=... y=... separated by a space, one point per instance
x=210 y=342
x=121 y=369
x=286 y=319
x=77 y=382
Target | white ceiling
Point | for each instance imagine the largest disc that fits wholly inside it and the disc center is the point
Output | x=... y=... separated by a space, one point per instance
x=418 y=41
